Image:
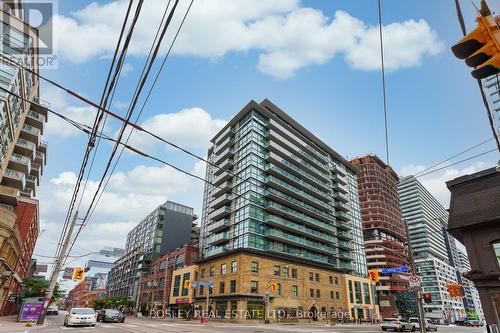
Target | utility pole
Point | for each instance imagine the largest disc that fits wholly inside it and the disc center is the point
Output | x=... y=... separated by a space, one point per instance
x=420 y=306
x=57 y=268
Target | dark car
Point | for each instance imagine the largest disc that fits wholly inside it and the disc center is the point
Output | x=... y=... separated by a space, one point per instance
x=110 y=316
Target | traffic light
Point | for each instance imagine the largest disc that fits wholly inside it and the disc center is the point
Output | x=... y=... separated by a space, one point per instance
x=481 y=47
x=274 y=286
x=187 y=284
x=427 y=298
x=78 y=274
x=374 y=275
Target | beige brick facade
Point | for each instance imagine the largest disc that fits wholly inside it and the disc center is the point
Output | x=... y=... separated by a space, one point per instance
x=359 y=299
x=244 y=278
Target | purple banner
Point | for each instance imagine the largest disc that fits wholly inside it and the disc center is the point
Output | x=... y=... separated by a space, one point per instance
x=31 y=311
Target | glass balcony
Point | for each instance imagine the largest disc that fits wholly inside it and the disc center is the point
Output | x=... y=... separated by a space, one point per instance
x=218 y=238
x=339 y=179
x=220 y=213
x=221 y=189
x=31 y=183
x=281 y=152
x=30 y=133
x=337 y=168
x=27 y=193
x=43 y=147
x=292 y=190
x=227 y=153
x=14 y=179
x=278 y=172
x=342 y=215
x=340 y=188
x=36 y=170
x=215 y=250
x=344 y=234
x=340 y=196
x=222 y=178
x=298 y=204
x=226 y=164
x=340 y=205
x=36 y=120
x=227 y=132
x=42 y=109
x=221 y=201
x=40 y=158
x=299 y=228
x=25 y=148
x=346 y=265
x=298 y=216
x=299 y=254
x=295 y=240
x=20 y=163
x=343 y=225
x=345 y=244
x=224 y=144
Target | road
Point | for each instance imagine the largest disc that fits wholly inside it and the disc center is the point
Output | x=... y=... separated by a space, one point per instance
x=144 y=325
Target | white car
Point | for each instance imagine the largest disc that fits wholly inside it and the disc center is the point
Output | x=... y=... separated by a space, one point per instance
x=397 y=324
x=429 y=325
x=80 y=317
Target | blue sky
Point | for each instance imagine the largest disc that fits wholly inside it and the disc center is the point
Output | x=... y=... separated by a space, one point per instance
x=312 y=70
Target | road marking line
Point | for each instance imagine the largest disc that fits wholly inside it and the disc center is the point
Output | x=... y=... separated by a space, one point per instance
x=130 y=325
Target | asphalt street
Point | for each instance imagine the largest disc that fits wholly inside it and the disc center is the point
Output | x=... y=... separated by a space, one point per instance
x=144 y=325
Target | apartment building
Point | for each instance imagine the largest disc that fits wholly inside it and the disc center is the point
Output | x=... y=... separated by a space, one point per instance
x=278 y=189
x=22 y=152
x=384 y=229
x=123 y=278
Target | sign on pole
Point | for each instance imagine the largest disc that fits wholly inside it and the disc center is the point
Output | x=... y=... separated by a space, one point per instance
x=415 y=281
x=395 y=269
x=68 y=273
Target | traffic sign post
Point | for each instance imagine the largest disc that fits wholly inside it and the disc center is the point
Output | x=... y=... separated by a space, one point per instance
x=395 y=269
x=415 y=281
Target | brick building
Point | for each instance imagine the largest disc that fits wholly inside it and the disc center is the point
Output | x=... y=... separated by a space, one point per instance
x=79 y=295
x=155 y=287
x=384 y=229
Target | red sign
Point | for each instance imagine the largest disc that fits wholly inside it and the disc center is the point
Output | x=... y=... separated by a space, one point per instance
x=181 y=300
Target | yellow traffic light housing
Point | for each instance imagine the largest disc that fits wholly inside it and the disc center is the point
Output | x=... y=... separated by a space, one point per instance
x=481 y=48
x=187 y=284
x=374 y=275
x=78 y=274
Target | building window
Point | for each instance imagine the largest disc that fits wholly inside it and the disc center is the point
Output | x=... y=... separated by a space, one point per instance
x=185 y=277
x=318 y=295
x=212 y=271
x=255 y=267
x=357 y=288
x=177 y=284
x=294 y=273
x=222 y=269
x=351 y=294
x=278 y=289
x=295 y=291
x=311 y=293
x=233 y=286
x=496 y=248
x=202 y=273
x=234 y=267
x=311 y=276
x=276 y=270
x=331 y=279
x=285 y=272
x=337 y=295
x=210 y=290
x=336 y=280
x=254 y=287
x=317 y=277
x=366 y=290
x=332 y=294
x=222 y=286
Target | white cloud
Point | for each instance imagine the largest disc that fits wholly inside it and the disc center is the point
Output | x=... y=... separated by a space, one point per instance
x=59 y=103
x=190 y=128
x=435 y=183
x=287 y=36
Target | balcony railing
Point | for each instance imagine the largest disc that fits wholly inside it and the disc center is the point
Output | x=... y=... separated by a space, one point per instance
x=289 y=238
x=300 y=254
x=345 y=244
x=219 y=213
x=342 y=215
x=220 y=201
x=218 y=238
x=343 y=225
x=296 y=180
x=215 y=250
x=340 y=196
x=299 y=216
x=299 y=228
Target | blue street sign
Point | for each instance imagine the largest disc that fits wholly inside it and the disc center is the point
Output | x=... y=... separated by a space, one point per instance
x=395 y=269
x=201 y=283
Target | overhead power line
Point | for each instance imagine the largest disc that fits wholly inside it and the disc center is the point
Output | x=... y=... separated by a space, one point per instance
x=383 y=79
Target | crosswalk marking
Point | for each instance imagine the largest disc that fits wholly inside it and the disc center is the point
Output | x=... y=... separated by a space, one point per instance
x=130 y=325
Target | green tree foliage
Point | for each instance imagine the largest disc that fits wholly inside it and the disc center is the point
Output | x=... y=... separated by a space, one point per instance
x=38 y=288
x=112 y=303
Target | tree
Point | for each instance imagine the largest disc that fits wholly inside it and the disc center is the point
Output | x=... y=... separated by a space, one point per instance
x=38 y=288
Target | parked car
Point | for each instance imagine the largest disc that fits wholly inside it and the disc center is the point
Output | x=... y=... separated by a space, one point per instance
x=110 y=316
x=53 y=310
x=397 y=324
x=472 y=323
x=429 y=325
x=80 y=317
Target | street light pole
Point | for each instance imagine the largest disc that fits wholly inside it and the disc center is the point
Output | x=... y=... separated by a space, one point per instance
x=420 y=306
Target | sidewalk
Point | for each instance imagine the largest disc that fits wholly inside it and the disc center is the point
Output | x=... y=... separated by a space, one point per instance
x=10 y=323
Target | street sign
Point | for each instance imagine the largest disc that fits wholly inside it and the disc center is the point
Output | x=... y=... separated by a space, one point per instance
x=208 y=284
x=395 y=269
x=13 y=298
x=415 y=281
x=68 y=273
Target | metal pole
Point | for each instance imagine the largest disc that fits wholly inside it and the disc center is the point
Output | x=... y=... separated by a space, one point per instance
x=420 y=306
x=206 y=301
x=266 y=303
x=59 y=261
